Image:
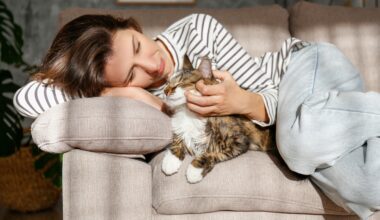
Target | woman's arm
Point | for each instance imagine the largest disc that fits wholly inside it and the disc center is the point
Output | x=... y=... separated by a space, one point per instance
x=207 y=37
x=36 y=97
x=136 y=93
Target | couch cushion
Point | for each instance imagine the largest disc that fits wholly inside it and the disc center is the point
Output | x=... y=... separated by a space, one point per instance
x=253 y=181
x=99 y=186
x=258 y=29
x=105 y=124
x=356 y=31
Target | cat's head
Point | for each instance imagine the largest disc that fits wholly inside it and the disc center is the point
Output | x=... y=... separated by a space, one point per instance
x=175 y=90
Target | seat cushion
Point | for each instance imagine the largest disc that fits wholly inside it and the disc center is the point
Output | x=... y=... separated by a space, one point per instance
x=356 y=31
x=254 y=181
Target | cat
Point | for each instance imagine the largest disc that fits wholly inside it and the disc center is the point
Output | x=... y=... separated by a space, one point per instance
x=209 y=140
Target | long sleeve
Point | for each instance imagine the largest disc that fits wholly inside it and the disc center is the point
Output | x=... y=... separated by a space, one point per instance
x=36 y=97
x=200 y=35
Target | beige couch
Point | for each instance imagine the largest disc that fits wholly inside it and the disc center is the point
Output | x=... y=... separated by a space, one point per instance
x=106 y=177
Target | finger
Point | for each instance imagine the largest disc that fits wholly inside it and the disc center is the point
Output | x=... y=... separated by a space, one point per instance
x=222 y=75
x=202 y=100
x=210 y=90
x=203 y=111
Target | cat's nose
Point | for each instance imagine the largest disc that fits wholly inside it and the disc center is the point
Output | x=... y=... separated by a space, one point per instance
x=168 y=91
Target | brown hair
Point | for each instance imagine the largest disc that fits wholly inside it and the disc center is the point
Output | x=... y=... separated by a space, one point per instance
x=76 y=59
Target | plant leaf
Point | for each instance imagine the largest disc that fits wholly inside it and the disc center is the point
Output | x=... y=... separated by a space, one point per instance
x=42 y=161
x=57 y=181
x=10 y=121
x=53 y=170
x=10 y=38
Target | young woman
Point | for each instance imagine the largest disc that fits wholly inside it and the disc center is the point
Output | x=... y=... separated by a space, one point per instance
x=327 y=127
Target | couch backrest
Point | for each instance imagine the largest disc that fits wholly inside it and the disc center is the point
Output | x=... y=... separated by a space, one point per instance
x=258 y=29
x=356 y=31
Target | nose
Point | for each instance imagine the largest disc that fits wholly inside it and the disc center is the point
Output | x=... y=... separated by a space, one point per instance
x=168 y=90
x=149 y=64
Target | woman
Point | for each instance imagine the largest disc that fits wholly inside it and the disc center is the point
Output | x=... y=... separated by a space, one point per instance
x=321 y=108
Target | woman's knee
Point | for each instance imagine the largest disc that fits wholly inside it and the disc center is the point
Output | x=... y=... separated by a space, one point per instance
x=368 y=193
x=335 y=70
x=292 y=145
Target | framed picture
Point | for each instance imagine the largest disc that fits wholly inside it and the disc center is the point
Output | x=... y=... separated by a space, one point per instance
x=156 y=2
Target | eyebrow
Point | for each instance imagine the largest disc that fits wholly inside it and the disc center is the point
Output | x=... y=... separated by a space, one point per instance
x=128 y=76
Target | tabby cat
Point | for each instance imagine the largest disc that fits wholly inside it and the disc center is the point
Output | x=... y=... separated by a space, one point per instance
x=209 y=140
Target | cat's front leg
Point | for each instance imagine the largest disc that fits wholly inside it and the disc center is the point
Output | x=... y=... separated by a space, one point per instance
x=173 y=157
x=199 y=167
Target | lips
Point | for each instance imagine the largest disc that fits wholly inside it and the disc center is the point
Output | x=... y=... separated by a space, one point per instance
x=162 y=67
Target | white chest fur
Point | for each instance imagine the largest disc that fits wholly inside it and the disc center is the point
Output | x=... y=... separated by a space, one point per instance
x=191 y=128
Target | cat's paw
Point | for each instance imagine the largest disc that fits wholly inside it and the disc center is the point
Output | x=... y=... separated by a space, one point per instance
x=194 y=174
x=170 y=163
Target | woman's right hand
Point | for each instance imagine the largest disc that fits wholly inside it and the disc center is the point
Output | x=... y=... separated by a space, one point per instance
x=136 y=93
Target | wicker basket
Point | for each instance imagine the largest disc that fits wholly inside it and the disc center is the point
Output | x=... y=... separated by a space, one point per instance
x=22 y=188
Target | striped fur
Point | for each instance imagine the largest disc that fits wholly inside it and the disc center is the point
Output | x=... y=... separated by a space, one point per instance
x=218 y=139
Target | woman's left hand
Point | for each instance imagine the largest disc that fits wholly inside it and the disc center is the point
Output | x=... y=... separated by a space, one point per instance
x=225 y=98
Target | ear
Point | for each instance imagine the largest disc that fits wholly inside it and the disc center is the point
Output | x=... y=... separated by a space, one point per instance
x=205 y=68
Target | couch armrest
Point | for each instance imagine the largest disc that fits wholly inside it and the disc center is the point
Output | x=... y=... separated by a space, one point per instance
x=102 y=186
x=102 y=124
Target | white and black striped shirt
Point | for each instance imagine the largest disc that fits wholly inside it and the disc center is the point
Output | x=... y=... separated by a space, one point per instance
x=197 y=36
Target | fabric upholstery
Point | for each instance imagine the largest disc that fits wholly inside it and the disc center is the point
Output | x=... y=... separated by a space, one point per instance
x=230 y=215
x=255 y=184
x=95 y=184
x=248 y=25
x=253 y=181
x=103 y=124
x=356 y=31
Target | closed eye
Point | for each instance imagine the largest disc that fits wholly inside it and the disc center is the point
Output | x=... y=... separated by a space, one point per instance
x=131 y=74
x=138 y=47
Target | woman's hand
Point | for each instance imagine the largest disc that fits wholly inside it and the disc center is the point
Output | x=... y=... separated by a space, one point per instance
x=226 y=98
x=220 y=99
x=136 y=93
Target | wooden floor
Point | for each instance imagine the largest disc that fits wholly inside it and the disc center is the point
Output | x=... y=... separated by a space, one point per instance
x=54 y=213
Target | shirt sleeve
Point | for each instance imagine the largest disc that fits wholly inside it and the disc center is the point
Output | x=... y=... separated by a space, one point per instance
x=215 y=42
x=201 y=35
x=36 y=97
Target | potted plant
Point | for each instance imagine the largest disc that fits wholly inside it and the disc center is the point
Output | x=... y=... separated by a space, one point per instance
x=26 y=173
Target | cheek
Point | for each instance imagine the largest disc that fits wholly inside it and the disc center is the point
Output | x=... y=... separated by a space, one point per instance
x=112 y=76
x=141 y=80
x=192 y=90
x=179 y=93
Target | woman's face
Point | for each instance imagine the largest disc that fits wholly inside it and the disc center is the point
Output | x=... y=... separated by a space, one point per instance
x=137 y=61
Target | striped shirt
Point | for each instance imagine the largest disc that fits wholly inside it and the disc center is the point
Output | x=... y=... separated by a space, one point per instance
x=197 y=36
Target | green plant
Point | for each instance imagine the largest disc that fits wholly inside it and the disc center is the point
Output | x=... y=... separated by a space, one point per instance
x=10 y=53
x=11 y=130
x=49 y=164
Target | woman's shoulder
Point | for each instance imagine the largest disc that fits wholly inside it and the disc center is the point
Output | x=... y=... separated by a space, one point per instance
x=202 y=17
x=195 y=18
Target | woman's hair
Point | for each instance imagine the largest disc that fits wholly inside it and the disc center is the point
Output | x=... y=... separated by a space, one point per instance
x=76 y=59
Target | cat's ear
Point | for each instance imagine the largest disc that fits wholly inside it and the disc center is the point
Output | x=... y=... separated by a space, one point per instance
x=205 y=68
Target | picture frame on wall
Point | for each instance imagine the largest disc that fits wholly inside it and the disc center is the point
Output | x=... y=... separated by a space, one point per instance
x=156 y=2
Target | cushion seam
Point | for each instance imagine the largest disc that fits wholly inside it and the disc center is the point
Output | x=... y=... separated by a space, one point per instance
x=90 y=139
x=252 y=198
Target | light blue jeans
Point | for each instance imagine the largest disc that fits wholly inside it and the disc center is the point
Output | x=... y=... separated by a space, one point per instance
x=329 y=128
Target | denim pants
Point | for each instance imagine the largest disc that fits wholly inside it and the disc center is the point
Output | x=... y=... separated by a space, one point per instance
x=329 y=128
